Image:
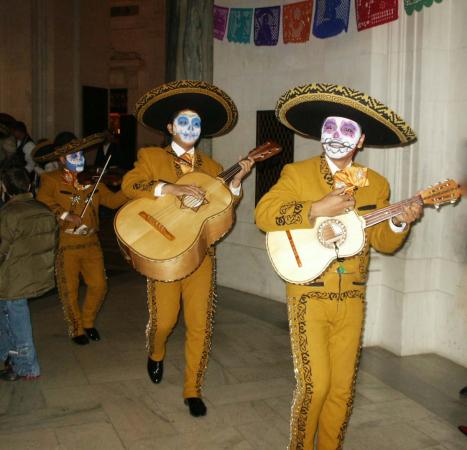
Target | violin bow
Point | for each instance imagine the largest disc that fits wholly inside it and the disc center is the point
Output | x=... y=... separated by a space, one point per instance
x=95 y=186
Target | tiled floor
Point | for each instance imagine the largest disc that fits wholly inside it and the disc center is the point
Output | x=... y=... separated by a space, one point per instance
x=99 y=396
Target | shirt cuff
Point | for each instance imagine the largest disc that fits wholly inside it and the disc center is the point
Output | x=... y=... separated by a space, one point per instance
x=158 y=189
x=64 y=215
x=235 y=190
x=397 y=228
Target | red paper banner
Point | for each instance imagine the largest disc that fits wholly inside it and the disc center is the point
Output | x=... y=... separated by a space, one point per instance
x=371 y=13
x=297 y=21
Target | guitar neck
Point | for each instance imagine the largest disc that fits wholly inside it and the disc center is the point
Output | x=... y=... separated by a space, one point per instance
x=389 y=212
x=228 y=174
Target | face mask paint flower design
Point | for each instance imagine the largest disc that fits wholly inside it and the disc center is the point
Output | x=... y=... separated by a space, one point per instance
x=339 y=136
x=75 y=162
x=187 y=125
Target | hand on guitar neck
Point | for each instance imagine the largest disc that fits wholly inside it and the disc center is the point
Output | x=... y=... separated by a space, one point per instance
x=412 y=212
x=333 y=204
x=246 y=166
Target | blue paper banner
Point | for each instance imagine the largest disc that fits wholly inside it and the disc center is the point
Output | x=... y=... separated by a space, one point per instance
x=331 y=17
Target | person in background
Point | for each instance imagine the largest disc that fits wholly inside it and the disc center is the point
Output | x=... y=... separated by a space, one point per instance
x=28 y=238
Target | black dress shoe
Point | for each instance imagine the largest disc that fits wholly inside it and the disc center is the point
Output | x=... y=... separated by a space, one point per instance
x=155 y=370
x=93 y=334
x=196 y=406
x=463 y=391
x=80 y=340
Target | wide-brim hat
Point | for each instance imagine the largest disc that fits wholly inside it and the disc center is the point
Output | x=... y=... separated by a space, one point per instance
x=303 y=109
x=48 y=151
x=217 y=110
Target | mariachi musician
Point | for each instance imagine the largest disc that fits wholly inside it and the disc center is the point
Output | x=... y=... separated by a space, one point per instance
x=75 y=203
x=186 y=110
x=326 y=316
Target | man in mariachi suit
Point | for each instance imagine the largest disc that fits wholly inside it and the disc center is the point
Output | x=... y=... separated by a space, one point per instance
x=79 y=250
x=326 y=316
x=186 y=109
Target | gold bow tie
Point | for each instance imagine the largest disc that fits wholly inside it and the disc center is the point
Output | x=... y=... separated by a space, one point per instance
x=186 y=161
x=351 y=178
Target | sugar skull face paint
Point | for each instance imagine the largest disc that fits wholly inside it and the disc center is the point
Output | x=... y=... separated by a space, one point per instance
x=187 y=125
x=75 y=162
x=339 y=136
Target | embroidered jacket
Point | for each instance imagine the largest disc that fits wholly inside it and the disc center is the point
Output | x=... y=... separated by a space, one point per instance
x=286 y=205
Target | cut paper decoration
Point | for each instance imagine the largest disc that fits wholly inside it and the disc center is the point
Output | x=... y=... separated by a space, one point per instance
x=267 y=25
x=371 y=13
x=417 y=5
x=331 y=18
x=240 y=25
x=296 y=22
x=220 y=15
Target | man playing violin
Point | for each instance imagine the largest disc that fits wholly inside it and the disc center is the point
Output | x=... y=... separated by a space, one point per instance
x=79 y=251
x=326 y=316
x=187 y=110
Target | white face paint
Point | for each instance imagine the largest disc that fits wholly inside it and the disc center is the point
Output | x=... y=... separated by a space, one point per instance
x=187 y=125
x=339 y=136
x=75 y=161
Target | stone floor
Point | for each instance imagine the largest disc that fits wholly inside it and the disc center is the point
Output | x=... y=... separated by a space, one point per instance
x=99 y=396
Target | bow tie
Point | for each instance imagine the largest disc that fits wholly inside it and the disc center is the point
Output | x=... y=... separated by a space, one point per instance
x=186 y=161
x=350 y=178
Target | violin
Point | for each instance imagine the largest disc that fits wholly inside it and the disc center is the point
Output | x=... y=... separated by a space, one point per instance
x=111 y=177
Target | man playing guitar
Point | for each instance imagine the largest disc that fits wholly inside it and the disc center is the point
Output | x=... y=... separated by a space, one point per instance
x=187 y=110
x=326 y=316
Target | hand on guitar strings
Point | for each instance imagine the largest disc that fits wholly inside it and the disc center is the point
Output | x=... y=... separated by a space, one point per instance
x=333 y=204
x=183 y=189
x=412 y=212
x=246 y=165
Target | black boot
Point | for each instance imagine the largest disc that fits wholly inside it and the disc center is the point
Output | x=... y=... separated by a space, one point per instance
x=155 y=370
x=93 y=334
x=196 y=406
x=80 y=340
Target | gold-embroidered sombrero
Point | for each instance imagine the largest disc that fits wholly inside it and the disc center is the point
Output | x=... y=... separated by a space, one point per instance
x=217 y=110
x=303 y=109
x=48 y=151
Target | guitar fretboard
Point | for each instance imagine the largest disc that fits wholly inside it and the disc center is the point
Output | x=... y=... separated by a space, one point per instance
x=389 y=212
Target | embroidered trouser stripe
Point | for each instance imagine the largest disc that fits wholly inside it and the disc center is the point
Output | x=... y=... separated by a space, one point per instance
x=197 y=293
x=87 y=260
x=325 y=341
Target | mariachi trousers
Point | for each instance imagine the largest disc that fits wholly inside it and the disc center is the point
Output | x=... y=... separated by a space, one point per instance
x=326 y=339
x=80 y=256
x=197 y=292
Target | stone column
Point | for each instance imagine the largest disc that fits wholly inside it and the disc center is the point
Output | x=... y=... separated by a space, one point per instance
x=189 y=44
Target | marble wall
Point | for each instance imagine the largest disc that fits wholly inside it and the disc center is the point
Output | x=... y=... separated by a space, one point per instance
x=416 y=299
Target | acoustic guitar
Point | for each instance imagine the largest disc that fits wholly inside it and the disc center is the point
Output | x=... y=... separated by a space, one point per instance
x=166 y=238
x=300 y=256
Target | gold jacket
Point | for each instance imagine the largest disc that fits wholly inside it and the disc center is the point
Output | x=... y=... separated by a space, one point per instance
x=286 y=206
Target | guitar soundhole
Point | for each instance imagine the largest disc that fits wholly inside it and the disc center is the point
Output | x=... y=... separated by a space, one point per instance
x=332 y=232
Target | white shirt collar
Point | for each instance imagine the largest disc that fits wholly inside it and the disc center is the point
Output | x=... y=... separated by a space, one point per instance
x=332 y=167
x=180 y=150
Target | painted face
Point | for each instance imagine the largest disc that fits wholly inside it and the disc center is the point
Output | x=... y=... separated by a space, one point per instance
x=339 y=136
x=187 y=125
x=75 y=162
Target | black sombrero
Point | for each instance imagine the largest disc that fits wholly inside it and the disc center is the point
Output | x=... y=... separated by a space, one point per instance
x=48 y=151
x=217 y=110
x=303 y=109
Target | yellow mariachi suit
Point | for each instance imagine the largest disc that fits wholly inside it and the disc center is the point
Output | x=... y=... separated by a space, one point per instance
x=78 y=254
x=197 y=291
x=325 y=317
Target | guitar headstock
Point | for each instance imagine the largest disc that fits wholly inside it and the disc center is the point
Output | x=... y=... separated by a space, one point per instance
x=447 y=191
x=265 y=151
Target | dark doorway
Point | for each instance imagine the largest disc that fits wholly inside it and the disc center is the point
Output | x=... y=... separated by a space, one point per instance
x=95 y=109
